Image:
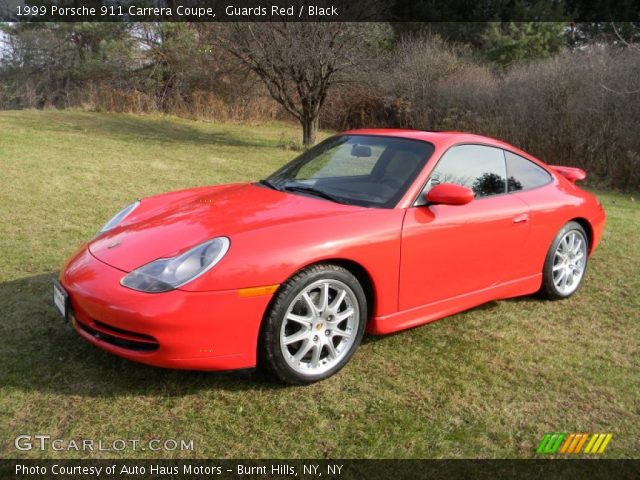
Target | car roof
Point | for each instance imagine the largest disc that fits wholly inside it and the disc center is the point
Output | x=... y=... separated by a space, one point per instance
x=438 y=138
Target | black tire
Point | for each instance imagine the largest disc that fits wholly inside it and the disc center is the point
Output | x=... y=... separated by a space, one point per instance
x=549 y=288
x=270 y=355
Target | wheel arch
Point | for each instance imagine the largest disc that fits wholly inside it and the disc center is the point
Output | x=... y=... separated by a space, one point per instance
x=588 y=228
x=362 y=275
x=356 y=269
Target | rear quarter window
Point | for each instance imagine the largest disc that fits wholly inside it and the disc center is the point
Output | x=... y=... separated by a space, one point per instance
x=523 y=174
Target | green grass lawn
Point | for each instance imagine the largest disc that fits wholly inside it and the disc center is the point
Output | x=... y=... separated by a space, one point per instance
x=489 y=382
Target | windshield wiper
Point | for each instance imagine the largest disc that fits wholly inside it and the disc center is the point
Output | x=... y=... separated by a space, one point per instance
x=268 y=183
x=314 y=191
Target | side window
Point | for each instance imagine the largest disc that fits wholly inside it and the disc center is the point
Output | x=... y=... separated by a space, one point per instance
x=523 y=174
x=477 y=167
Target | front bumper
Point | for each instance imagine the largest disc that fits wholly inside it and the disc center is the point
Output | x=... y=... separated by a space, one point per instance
x=178 y=329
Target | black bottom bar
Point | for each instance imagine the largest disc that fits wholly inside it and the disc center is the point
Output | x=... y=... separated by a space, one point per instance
x=320 y=469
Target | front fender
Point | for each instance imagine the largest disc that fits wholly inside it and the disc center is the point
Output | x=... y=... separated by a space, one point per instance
x=270 y=255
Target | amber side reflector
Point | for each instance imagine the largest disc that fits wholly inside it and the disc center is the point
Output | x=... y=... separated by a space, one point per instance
x=256 y=291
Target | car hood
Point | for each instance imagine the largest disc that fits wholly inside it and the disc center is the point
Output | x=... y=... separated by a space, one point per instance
x=164 y=226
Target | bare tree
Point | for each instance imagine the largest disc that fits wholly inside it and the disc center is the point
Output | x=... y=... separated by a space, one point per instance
x=300 y=62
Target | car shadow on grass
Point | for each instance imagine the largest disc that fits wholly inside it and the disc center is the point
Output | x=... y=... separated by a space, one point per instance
x=42 y=352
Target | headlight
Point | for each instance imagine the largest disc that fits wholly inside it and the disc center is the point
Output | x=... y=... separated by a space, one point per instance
x=119 y=217
x=167 y=274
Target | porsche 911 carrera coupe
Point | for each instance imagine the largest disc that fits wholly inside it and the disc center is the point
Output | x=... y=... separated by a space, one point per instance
x=370 y=230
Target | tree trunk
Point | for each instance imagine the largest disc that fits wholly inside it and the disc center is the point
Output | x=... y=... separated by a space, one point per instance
x=309 y=130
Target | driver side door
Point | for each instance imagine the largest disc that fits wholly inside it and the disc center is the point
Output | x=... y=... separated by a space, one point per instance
x=452 y=250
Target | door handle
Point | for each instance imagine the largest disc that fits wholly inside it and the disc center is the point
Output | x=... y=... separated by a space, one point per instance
x=521 y=218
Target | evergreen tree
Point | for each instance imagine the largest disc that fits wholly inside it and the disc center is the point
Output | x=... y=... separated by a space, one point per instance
x=506 y=43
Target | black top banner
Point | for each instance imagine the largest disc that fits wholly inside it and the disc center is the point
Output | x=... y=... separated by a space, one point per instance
x=317 y=10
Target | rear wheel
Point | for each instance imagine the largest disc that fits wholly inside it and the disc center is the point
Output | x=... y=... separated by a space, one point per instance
x=314 y=325
x=566 y=262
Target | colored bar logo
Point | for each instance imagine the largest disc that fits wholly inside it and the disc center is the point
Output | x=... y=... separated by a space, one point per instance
x=573 y=443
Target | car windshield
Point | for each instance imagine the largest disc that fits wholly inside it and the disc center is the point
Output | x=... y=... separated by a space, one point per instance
x=365 y=170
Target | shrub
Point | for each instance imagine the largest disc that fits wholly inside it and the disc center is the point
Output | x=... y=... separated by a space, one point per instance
x=579 y=108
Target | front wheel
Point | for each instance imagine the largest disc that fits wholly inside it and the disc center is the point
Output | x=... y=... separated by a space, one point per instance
x=566 y=262
x=314 y=325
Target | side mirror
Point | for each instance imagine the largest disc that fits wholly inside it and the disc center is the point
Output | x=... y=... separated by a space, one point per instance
x=449 y=194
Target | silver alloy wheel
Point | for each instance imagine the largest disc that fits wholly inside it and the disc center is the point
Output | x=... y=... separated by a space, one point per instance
x=320 y=327
x=569 y=262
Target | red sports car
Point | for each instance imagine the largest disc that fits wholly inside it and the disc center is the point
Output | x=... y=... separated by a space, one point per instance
x=376 y=230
